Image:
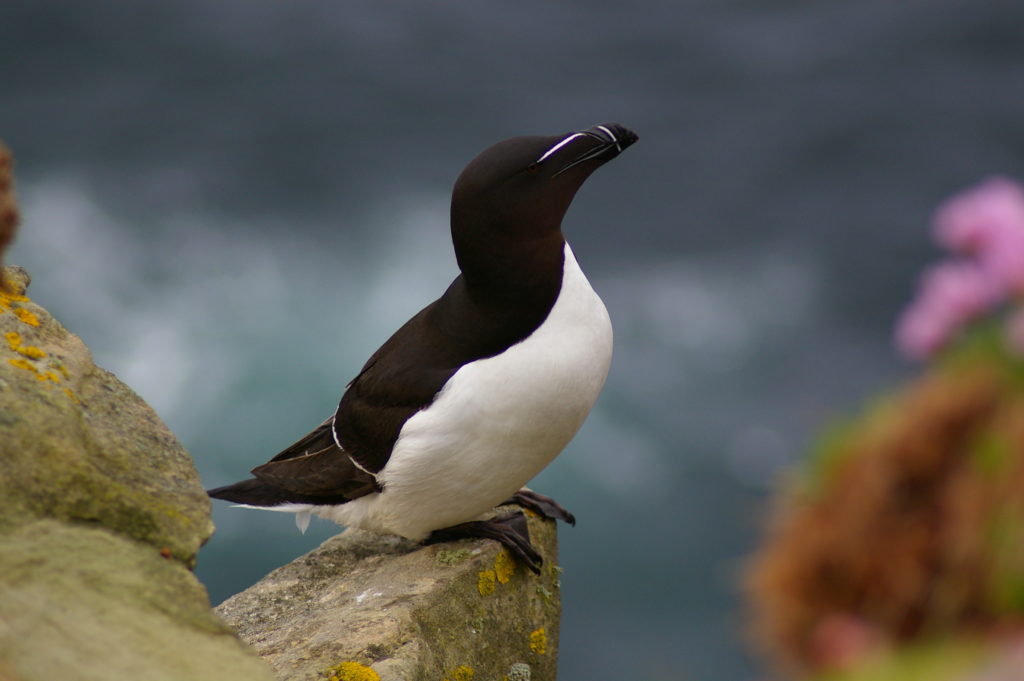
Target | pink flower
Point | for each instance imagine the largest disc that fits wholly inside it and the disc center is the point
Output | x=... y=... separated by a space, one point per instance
x=962 y=289
x=1003 y=259
x=842 y=640
x=921 y=332
x=979 y=219
x=950 y=295
x=988 y=223
x=985 y=224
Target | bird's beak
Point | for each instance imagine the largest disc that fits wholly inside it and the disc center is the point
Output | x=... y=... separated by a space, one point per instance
x=611 y=139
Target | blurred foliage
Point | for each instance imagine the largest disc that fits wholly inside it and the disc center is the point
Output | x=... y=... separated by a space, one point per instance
x=940 y=662
x=904 y=531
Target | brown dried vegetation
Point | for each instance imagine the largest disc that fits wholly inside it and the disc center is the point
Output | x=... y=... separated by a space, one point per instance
x=912 y=529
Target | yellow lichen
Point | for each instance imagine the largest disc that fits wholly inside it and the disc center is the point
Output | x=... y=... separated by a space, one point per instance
x=486 y=582
x=15 y=342
x=351 y=671
x=49 y=376
x=504 y=566
x=30 y=351
x=7 y=297
x=461 y=673
x=23 y=364
x=539 y=641
x=26 y=316
x=72 y=396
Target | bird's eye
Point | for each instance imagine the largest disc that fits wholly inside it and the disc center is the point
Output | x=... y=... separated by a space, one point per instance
x=533 y=168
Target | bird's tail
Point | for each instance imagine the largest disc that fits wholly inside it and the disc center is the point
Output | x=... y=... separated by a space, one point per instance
x=253 y=492
x=257 y=494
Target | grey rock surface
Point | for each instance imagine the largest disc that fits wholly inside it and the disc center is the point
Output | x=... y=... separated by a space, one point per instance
x=363 y=607
x=102 y=517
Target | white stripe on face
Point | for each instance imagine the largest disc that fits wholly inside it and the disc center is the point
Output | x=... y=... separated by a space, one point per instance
x=558 y=146
x=614 y=138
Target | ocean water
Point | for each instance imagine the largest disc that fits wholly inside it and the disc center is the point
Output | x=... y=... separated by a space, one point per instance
x=235 y=203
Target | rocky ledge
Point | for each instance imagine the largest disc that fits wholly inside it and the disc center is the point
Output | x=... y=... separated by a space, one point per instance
x=364 y=607
x=103 y=516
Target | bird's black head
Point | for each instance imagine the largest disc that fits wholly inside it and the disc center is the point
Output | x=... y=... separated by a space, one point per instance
x=519 y=189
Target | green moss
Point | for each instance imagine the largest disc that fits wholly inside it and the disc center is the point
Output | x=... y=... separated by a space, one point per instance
x=453 y=556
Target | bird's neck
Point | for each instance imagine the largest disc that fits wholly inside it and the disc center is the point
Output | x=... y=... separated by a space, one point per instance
x=495 y=264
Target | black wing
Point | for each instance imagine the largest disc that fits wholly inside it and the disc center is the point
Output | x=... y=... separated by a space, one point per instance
x=401 y=378
x=410 y=369
x=315 y=465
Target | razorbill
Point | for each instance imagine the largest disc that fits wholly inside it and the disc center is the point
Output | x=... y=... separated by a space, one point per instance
x=481 y=389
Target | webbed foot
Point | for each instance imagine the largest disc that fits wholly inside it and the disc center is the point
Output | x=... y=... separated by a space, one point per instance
x=510 y=530
x=543 y=506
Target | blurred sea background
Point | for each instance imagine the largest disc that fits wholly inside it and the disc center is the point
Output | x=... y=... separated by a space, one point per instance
x=235 y=202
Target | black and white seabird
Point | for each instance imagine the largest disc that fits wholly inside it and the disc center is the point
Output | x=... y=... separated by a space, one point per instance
x=481 y=389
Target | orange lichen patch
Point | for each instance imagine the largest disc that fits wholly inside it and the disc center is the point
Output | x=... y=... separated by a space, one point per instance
x=15 y=342
x=23 y=364
x=26 y=316
x=486 y=582
x=350 y=671
x=504 y=566
x=30 y=351
x=461 y=673
x=48 y=376
x=56 y=373
x=907 y=534
x=539 y=641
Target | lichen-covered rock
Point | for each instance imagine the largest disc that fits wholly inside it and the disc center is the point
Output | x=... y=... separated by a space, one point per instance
x=102 y=516
x=77 y=444
x=369 y=607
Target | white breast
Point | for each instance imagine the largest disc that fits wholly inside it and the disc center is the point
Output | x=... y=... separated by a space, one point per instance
x=496 y=423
